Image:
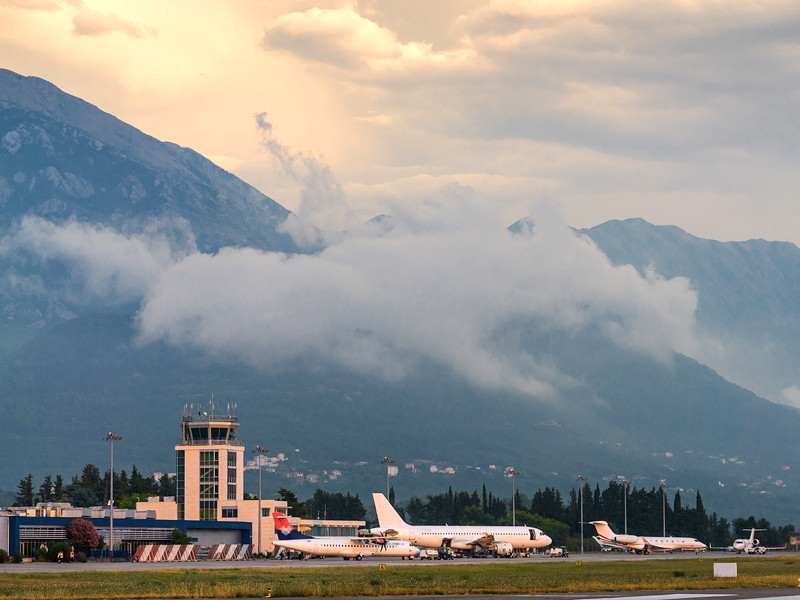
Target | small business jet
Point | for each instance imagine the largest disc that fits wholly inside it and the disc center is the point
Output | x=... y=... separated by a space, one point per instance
x=503 y=540
x=751 y=545
x=644 y=544
x=347 y=548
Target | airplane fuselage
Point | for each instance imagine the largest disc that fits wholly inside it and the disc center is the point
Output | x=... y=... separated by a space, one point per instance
x=465 y=537
x=668 y=544
x=348 y=548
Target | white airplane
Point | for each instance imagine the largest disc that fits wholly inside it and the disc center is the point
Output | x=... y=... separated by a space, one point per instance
x=751 y=545
x=643 y=544
x=503 y=540
x=346 y=547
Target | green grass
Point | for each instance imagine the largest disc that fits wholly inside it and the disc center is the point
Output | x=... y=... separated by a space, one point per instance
x=501 y=577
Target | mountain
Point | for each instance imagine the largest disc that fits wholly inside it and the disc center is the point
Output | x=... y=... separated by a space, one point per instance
x=65 y=159
x=748 y=297
x=73 y=364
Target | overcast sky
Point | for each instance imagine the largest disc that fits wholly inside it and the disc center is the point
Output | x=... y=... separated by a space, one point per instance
x=682 y=113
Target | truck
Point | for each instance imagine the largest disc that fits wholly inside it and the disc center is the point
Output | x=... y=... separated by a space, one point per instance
x=558 y=551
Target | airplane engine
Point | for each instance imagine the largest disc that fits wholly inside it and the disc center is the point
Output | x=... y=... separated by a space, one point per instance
x=626 y=539
x=503 y=548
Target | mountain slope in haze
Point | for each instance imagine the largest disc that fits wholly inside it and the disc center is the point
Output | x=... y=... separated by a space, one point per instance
x=63 y=158
x=73 y=367
x=748 y=297
x=629 y=416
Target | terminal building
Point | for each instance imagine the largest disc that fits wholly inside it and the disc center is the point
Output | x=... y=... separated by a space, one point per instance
x=209 y=505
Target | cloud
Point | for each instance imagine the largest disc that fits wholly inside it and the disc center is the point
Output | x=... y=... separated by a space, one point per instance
x=446 y=288
x=322 y=202
x=450 y=285
x=39 y=5
x=345 y=39
x=791 y=396
x=336 y=36
x=105 y=264
x=93 y=23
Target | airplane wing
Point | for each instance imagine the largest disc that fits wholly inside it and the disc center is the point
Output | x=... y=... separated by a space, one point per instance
x=610 y=544
x=655 y=547
x=486 y=541
x=392 y=533
x=375 y=543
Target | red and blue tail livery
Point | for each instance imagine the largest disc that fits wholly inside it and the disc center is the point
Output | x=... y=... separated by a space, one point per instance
x=284 y=529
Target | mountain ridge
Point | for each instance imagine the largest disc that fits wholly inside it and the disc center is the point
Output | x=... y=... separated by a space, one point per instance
x=169 y=181
x=748 y=295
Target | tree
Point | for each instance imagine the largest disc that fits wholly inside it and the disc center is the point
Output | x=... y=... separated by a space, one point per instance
x=167 y=486
x=288 y=496
x=78 y=496
x=91 y=481
x=45 y=493
x=179 y=537
x=58 y=488
x=335 y=506
x=24 y=495
x=82 y=534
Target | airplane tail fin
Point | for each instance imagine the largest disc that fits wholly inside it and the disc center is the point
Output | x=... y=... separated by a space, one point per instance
x=387 y=515
x=603 y=530
x=284 y=529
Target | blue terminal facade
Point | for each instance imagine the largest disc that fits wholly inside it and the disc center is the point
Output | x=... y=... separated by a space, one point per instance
x=27 y=533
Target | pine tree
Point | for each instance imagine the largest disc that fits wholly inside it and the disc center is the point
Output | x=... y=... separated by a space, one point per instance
x=24 y=495
x=58 y=488
x=46 y=490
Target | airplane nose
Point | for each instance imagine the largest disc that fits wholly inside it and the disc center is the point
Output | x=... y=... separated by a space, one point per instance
x=546 y=538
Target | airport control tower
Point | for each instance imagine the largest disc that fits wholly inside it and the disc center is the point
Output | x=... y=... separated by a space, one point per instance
x=210 y=464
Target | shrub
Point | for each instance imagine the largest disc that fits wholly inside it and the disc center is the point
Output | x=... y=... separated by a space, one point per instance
x=16 y=557
x=179 y=537
x=3 y=556
x=55 y=548
x=81 y=557
x=82 y=534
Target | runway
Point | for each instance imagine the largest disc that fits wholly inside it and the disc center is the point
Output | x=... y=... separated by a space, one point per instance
x=44 y=567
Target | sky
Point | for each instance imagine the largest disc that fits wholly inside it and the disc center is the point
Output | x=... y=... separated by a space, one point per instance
x=679 y=112
x=457 y=118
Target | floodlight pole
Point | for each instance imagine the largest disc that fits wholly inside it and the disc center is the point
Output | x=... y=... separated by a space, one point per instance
x=512 y=473
x=625 y=484
x=111 y=437
x=581 y=479
x=387 y=461
x=259 y=451
x=664 y=487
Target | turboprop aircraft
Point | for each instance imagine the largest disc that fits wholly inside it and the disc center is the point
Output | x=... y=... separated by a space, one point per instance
x=644 y=544
x=751 y=545
x=347 y=548
x=499 y=539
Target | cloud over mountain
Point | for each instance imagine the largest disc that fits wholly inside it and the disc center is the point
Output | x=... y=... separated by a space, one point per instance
x=452 y=287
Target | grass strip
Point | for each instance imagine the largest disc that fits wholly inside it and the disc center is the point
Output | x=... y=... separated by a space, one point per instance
x=501 y=577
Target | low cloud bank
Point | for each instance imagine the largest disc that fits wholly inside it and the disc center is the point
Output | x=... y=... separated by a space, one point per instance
x=449 y=287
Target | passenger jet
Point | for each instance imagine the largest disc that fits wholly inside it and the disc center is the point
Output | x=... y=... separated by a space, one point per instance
x=752 y=545
x=347 y=548
x=643 y=544
x=502 y=540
